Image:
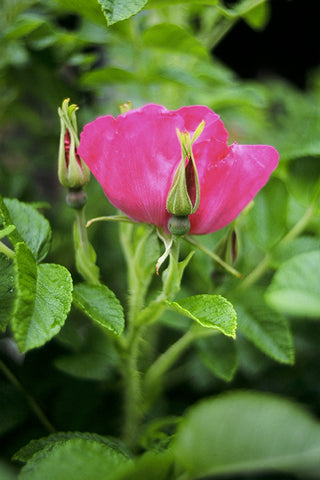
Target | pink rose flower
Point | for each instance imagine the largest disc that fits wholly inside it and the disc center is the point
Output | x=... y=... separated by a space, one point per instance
x=135 y=156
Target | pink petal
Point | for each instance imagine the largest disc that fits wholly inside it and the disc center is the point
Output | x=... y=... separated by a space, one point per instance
x=134 y=158
x=228 y=185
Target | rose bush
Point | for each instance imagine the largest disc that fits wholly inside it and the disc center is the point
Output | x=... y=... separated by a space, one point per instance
x=135 y=156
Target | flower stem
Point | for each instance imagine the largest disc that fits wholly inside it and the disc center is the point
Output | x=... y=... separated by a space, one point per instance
x=299 y=226
x=133 y=390
x=163 y=363
x=212 y=255
x=31 y=401
x=295 y=231
x=256 y=273
x=166 y=360
x=6 y=250
x=110 y=218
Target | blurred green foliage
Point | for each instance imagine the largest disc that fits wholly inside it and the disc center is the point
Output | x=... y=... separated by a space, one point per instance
x=58 y=49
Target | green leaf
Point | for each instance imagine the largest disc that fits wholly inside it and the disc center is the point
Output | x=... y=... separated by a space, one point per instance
x=92 y=356
x=303 y=179
x=107 y=76
x=165 y=3
x=171 y=37
x=246 y=432
x=32 y=227
x=117 y=10
x=151 y=465
x=295 y=288
x=259 y=16
x=211 y=311
x=7 y=294
x=6 y=223
x=76 y=458
x=89 y=9
x=264 y=327
x=90 y=366
x=101 y=305
x=35 y=446
x=295 y=126
x=7 y=472
x=284 y=251
x=26 y=287
x=218 y=353
x=24 y=25
x=43 y=299
x=13 y=409
x=266 y=220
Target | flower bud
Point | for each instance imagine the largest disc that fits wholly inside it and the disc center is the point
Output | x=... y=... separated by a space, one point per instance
x=184 y=195
x=72 y=171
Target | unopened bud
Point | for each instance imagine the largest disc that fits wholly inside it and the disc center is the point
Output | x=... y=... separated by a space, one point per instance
x=72 y=171
x=184 y=195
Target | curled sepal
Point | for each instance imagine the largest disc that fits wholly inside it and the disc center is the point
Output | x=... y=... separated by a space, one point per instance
x=172 y=275
x=72 y=171
x=167 y=241
x=184 y=195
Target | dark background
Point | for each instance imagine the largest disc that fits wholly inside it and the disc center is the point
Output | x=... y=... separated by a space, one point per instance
x=288 y=47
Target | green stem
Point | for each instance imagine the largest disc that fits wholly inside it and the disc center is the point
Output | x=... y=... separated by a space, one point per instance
x=212 y=255
x=220 y=30
x=6 y=250
x=163 y=363
x=132 y=391
x=256 y=273
x=111 y=218
x=262 y=267
x=166 y=360
x=300 y=226
x=31 y=401
x=132 y=340
x=81 y=225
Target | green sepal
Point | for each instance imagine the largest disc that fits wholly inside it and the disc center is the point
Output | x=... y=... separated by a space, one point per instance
x=172 y=276
x=72 y=171
x=178 y=200
x=85 y=257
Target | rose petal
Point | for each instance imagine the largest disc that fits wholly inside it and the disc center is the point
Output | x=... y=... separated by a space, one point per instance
x=135 y=156
x=228 y=185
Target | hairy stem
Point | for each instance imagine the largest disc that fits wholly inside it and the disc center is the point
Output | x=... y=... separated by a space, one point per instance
x=214 y=257
x=132 y=391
